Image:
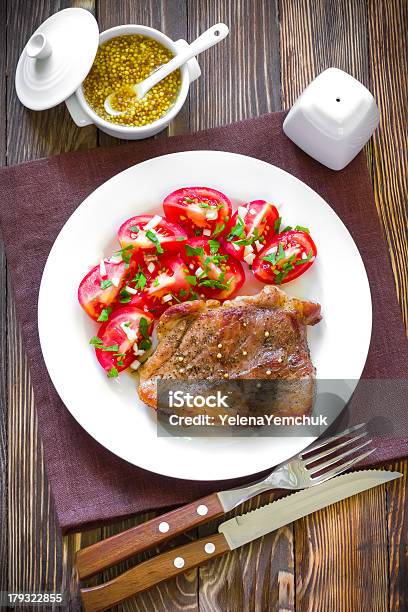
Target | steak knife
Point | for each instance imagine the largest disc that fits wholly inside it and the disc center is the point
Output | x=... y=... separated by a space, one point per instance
x=231 y=534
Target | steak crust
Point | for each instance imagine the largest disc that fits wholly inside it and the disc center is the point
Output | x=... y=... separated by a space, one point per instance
x=262 y=336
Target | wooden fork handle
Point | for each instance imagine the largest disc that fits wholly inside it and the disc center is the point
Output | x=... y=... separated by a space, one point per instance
x=151 y=572
x=99 y=556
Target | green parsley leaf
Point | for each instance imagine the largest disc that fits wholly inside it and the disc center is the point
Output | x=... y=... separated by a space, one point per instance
x=214 y=246
x=238 y=230
x=277 y=225
x=271 y=258
x=183 y=293
x=302 y=229
x=220 y=227
x=192 y=280
x=288 y=228
x=113 y=373
x=145 y=344
x=95 y=341
x=193 y=252
x=181 y=238
x=214 y=284
x=140 y=280
x=105 y=284
x=299 y=262
x=125 y=253
x=188 y=200
x=105 y=312
x=121 y=362
x=110 y=349
x=153 y=237
x=144 y=327
x=135 y=229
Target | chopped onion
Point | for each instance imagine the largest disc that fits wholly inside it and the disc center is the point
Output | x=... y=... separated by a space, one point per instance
x=102 y=269
x=167 y=297
x=130 y=333
x=249 y=249
x=151 y=267
x=154 y=222
x=211 y=214
x=249 y=258
x=199 y=271
x=207 y=232
x=116 y=282
x=258 y=245
x=242 y=211
x=135 y=364
x=131 y=290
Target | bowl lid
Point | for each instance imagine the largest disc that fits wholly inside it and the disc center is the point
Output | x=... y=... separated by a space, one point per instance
x=57 y=58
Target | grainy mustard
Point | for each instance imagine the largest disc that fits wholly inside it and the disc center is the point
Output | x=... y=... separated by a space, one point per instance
x=122 y=62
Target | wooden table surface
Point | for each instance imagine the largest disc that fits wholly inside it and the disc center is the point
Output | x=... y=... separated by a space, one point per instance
x=351 y=556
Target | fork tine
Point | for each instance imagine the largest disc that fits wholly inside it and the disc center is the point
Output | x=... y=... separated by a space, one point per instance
x=341 y=468
x=334 y=449
x=337 y=458
x=326 y=441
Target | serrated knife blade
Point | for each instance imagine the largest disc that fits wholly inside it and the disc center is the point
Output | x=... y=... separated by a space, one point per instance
x=247 y=527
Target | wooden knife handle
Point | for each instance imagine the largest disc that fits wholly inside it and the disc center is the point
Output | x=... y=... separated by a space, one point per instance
x=151 y=572
x=99 y=556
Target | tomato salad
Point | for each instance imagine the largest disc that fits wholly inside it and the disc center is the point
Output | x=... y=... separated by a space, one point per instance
x=196 y=251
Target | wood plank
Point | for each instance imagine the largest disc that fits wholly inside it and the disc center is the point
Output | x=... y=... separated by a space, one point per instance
x=344 y=548
x=257 y=576
x=397 y=522
x=388 y=40
x=35 y=544
x=3 y=321
x=341 y=556
x=240 y=76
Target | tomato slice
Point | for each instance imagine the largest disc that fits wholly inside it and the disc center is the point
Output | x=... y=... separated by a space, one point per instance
x=213 y=273
x=285 y=257
x=250 y=227
x=160 y=236
x=100 y=287
x=128 y=330
x=159 y=282
x=200 y=210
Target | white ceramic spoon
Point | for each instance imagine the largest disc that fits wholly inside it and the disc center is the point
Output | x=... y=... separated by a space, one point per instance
x=208 y=39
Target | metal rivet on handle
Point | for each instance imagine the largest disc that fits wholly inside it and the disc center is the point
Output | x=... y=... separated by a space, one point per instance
x=209 y=548
x=202 y=510
x=164 y=527
x=178 y=562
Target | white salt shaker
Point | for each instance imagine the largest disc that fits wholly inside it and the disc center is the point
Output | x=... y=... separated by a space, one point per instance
x=333 y=118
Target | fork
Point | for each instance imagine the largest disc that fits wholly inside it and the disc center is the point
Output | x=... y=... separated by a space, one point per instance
x=320 y=461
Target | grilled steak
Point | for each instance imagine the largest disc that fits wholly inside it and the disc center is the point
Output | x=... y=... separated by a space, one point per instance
x=261 y=336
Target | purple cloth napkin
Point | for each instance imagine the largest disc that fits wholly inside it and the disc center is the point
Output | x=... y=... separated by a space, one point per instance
x=90 y=485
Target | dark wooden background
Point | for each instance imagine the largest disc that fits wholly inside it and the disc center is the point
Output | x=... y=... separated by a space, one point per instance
x=352 y=556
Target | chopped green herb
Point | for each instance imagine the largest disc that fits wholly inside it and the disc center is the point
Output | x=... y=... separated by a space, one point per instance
x=153 y=237
x=145 y=344
x=105 y=284
x=183 y=293
x=125 y=299
x=299 y=262
x=302 y=229
x=277 y=225
x=113 y=373
x=189 y=200
x=125 y=253
x=181 y=238
x=288 y=228
x=193 y=252
x=105 y=312
x=110 y=349
x=220 y=227
x=214 y=284
x=134 y=229
x=156 y=282
x=214 y=246
x=140 y=280
x=144 y=327
x=121 y=362
x=238 y=230
x=95 y=341
x=192 y=280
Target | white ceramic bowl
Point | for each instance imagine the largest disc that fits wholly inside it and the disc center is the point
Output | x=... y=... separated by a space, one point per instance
x=83 y=114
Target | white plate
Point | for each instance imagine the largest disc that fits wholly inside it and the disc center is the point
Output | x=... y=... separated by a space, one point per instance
x=110 y=410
